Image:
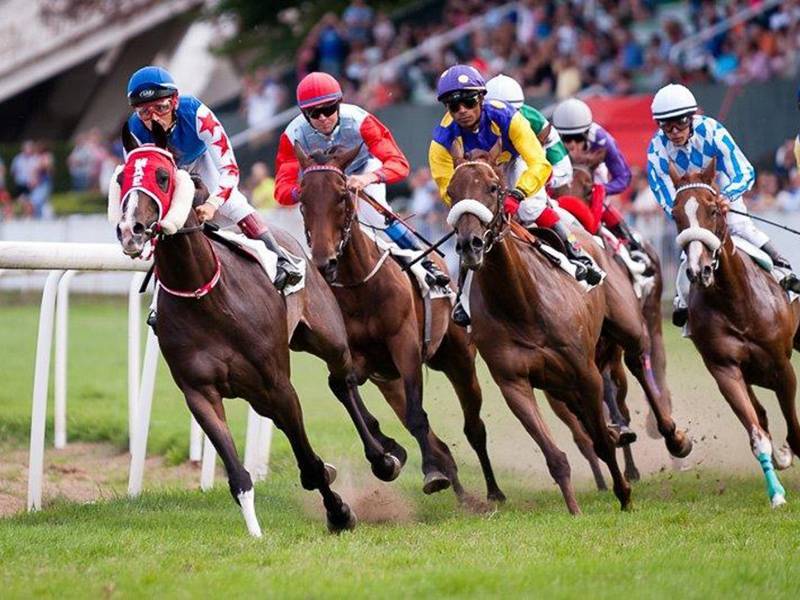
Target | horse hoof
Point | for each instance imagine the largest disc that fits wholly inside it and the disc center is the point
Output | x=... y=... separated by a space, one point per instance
x=497 y=497
x=435 y=482
x=778 y=500
x=632 y=475
x=398 y=452
x=626 y=437
x=679 y=445
x=346 y=521
x=782 y=457
x=388 y=469
x=330 y=473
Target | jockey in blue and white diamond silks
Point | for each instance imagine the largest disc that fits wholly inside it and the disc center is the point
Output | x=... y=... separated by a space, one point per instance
x=690 y=141
x=199 y=144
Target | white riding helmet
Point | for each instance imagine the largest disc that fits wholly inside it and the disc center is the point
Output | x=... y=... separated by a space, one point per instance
x=505 y=88
x=673 y=100
x=572 y=116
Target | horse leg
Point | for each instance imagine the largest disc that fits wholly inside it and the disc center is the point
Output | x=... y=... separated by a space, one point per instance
x=731 y=383
x=520 y=398
x=333 y=350
x=457 y=360
x=618 y=419
x=785 y=391
x=620 y=382
x=582 y=439
x=207 y=408
x=280 y=403
x=434 y=471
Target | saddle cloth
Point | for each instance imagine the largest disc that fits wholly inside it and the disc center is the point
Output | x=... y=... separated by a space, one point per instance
x=265 y=257
x=417 y=269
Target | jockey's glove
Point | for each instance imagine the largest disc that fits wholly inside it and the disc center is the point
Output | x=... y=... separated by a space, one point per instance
x=512 y=200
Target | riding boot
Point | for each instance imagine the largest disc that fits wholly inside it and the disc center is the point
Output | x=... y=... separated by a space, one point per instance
x=460 y=316
x=402 y=236
x=680 y=313
x=584 y=266
x=790 y=283
x=635 y=250
x=287 y=273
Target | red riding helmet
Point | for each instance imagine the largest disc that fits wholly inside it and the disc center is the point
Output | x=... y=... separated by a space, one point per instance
x=317 y=88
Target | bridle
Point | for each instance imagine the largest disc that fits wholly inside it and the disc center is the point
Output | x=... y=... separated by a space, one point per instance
x=346 y=232
x=496 y=222
x=710 y=239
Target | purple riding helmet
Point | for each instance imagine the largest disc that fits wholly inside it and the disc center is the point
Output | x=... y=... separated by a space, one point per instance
x=459 y=79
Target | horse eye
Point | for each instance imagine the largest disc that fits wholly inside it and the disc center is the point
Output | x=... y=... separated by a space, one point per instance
x=162 y=179
x=493 y=188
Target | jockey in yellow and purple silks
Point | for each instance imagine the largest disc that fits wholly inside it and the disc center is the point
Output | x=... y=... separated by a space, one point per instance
x=479 y=125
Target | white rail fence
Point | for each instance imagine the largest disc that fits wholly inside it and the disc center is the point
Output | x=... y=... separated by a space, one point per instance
x=62 y=261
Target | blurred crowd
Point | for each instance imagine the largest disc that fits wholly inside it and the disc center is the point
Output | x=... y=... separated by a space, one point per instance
x=26 y=184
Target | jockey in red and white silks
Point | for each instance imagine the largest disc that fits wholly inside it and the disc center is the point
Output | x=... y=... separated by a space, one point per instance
x=326 y=122
x=199 y=144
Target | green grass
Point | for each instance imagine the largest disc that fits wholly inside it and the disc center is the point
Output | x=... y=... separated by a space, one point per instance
x=704 y=533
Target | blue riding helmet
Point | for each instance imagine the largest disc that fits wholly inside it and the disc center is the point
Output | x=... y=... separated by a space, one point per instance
x=459 y=78
x=150 y=83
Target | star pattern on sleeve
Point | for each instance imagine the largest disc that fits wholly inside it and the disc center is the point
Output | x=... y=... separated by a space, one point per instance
x=208 y=123
x=222 y=142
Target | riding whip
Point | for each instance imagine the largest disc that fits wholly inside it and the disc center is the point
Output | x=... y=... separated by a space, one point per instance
x=763 y=220
x=388 y=214
x=433 y=248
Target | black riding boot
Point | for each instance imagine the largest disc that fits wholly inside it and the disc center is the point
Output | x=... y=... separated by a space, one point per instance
x=790 y=283
x=288 y=273
x=460 y=316
x=584 y=266
x=435 y=275
x=635 y=249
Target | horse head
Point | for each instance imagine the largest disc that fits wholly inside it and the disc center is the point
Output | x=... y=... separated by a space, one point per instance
x=476 y=192
x=329 y=209
x=148 y=195
x=699 y=213
x=583 y=166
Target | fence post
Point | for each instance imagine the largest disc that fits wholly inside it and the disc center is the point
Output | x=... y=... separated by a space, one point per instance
x=60 y=374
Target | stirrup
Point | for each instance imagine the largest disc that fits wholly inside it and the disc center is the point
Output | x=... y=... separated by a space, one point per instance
x=680 y=316
x=286 y=273
x=437 y=276
x=460 y=316
x=791 y=283
x=152 y=320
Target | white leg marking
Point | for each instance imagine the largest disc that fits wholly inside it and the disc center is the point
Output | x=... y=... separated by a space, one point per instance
x=760 y=442
x=247 y=503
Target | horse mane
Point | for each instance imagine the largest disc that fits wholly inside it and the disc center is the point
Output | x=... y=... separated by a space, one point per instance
x=484 y=156
x=323 y=157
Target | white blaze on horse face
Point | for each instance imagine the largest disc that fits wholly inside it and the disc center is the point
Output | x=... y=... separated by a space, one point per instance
x=127 y=222
x=695 y=248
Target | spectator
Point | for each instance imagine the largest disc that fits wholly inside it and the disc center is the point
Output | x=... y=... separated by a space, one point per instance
x=23 y=170
x=85 y=160
x=331 y=45
x=358 y=22
x=788 y=200
x=41 y=182
x=261 y=187
x=263 y=96
x=6 y=205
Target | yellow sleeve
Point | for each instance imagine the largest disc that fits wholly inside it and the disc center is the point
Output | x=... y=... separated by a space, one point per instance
x=530 y=149
x=441 y=164
x=797 y=151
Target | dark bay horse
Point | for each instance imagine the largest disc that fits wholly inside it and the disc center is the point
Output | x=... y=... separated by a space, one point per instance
x=740 y=320
x=383 y=314
x=225 y=330
x=537 y=327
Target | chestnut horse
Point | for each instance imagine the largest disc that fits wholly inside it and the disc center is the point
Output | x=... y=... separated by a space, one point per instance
x=225 y=330
x=740 y=320
x=535 y=326
x=383 y=314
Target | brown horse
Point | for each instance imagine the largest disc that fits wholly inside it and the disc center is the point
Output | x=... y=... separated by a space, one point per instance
x=225 y=330
x=582 y=187
x=740 y=320
x=536 y=327
x=384 y=317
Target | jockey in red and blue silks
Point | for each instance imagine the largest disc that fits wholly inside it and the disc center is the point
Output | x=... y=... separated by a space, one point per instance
x=199 y=144
x=326 y=122
x=574 y=121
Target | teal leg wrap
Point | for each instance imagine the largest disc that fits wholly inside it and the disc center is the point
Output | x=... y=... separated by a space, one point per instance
x=773 y=484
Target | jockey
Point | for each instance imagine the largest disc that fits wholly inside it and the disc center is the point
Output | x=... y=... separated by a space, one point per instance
x=574 y=121
x=199 y=144
x=690 y=141
x=479 y=124
x=326 y=122
x=506 y=89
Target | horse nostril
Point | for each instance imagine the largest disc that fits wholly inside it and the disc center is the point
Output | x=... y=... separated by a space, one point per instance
x=138 y=229
x=476 y=243
x=119 y=233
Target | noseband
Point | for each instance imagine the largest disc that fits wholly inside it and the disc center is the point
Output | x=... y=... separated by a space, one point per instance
x=700 y=234
x=493 y=220
x=350 y=210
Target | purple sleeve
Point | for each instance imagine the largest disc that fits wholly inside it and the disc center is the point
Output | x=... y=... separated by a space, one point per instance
x=618 y=169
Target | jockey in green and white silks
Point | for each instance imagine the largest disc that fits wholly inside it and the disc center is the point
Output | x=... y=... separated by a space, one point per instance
x=690 y=141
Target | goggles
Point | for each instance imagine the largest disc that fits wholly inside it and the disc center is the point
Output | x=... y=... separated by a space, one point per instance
x=675 y=124
x=160 y=108
x=468 y=101
x=573 y=137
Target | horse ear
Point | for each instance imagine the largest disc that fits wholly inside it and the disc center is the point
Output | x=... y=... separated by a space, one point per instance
x=302 y=157
x=128 y=141
x=457 y=150
x=159 y=135
x=345 y=158
x=673 y=173
x=708 y=174
x=496 y=151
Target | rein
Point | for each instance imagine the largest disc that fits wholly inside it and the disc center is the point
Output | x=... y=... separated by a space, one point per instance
x=497 y=224
x=700 y=234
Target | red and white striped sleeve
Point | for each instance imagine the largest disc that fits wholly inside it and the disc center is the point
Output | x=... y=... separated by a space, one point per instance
x=211 y=131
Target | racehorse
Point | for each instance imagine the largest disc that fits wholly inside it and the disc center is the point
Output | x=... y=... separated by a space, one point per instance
x=580 y=198
x=385 y=320
x=535 y=326
x=740 y=320
x=225 y=330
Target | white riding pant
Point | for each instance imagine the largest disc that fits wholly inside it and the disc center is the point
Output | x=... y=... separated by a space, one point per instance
x=236 y=207
x=531 y=207
x=743 y=226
